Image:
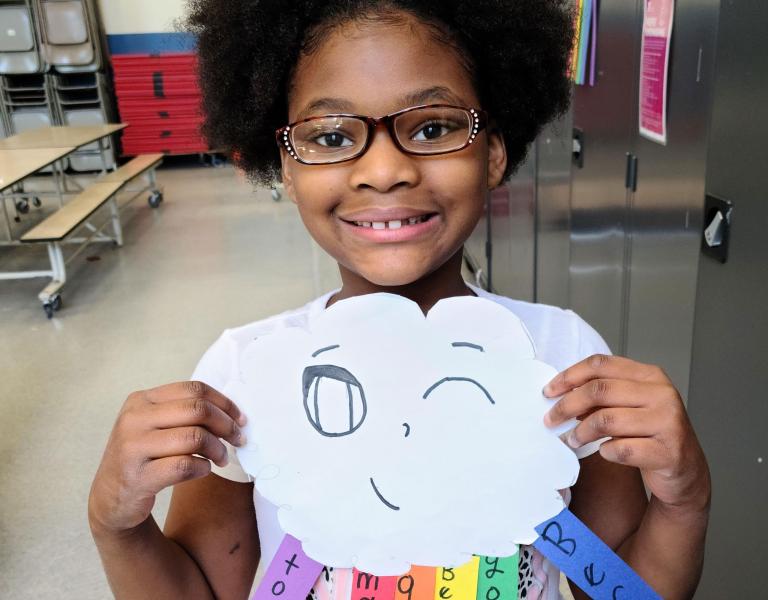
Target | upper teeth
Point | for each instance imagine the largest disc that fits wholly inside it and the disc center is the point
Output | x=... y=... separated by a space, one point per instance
x=391 y=224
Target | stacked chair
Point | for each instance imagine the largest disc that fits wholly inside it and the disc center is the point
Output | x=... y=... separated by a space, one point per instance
x=19 y=40
x=53 y=70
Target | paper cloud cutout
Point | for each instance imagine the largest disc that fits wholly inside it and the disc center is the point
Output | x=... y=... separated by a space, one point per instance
x=389 y=439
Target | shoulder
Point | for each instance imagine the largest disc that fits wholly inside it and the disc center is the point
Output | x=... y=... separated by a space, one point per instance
x=561 y=337
x=220 y=363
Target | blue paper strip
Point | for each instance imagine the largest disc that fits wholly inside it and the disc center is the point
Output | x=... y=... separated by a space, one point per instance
x=588 y=562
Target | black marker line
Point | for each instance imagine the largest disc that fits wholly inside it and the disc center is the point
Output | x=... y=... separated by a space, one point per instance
x=447 y=379
x=387 y=504
x=317 y=353
x=467 y=345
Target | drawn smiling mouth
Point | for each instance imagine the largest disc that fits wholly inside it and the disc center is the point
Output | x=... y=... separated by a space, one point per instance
x=384 y=500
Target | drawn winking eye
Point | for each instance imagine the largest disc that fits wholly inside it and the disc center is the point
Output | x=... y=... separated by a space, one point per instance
x=333 y=400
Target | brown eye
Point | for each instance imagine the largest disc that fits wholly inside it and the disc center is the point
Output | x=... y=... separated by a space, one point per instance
x=334 y=400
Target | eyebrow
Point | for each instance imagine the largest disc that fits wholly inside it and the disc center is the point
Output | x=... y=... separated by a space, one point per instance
x=422 y=96
x=467 y=345
x=317 y=353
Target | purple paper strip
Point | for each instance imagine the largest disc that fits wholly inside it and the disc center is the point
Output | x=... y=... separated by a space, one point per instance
x=592 y=60
x=290 y=575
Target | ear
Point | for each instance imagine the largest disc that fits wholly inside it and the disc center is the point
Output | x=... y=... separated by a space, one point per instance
x=287 y=165
x=497 y=158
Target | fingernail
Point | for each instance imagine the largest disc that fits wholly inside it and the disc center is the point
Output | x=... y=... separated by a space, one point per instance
x=242 y=420
x=225 y=462
x=547 y=420
x=571 y=440
x=242 y=440
x=547 y=391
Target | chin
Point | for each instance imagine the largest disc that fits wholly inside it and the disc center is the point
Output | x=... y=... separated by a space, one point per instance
x=393 y=276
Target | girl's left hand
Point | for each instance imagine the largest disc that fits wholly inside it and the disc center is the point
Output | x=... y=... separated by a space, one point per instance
x=638 y=407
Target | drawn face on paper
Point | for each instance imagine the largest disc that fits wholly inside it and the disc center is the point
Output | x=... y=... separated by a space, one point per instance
x=389 y=439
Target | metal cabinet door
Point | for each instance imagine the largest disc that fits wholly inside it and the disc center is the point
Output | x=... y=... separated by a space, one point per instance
x=605 y=114
x=666 y=210
x=729 y=377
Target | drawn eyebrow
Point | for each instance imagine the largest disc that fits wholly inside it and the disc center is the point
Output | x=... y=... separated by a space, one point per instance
x=447 y=379
x=317 y=353
x=467 y=345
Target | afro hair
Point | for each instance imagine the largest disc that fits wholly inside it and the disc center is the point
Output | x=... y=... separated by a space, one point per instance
x=517 y=50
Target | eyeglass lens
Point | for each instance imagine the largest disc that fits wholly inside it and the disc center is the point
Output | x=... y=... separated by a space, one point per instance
x=429 y=130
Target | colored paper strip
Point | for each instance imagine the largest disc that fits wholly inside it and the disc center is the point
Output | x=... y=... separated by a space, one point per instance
x=291 y=574
x=593 y=50
x=417 y=584
x=458 y=583
x=588 y=562
x=342 y=584
x=371 y=587
x=586 y=28
x=497 y=578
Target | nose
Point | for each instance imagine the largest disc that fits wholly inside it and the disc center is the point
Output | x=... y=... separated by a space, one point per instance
x=384 y=167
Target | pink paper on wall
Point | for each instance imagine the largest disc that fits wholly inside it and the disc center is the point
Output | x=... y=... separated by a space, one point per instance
x=658 y=17
x=372 y=587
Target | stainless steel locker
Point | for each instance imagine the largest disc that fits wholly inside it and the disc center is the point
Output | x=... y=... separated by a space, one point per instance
x=666 y=210
x=729 y=377
x=604 y=121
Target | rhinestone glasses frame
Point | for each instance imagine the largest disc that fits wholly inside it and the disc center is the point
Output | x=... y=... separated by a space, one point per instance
x=479 y=122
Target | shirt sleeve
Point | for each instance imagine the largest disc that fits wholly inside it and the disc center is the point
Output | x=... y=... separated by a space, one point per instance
x=590 y=342
x=215 y=369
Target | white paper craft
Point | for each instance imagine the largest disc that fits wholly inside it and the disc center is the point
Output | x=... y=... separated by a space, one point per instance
x=389 y=439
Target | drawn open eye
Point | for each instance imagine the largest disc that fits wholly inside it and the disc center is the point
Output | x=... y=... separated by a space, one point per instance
x=333 y=400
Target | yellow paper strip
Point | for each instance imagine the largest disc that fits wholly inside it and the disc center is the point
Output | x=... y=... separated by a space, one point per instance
x=459 y=583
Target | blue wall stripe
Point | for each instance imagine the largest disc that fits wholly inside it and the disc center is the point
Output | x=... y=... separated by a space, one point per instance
x=151 y=43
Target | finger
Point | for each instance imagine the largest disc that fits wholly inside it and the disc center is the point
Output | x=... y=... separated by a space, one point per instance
x=613 y=423
x=156 y=475
x=603 y=393
x=601 y=366
x=194 y=390
x=191 y=412
x=643 y=453
x=185 y=440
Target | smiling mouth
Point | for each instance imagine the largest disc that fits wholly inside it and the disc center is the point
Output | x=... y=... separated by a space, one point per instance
x=392 y=224
x=384 y=500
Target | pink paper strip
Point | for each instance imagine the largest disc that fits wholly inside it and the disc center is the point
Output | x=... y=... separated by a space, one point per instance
x=593 y=59
x=290 y=575
x=342 y=584
x=372 y=587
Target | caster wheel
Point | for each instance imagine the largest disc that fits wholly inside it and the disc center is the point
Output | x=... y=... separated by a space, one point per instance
x=22 y=206
x=276 y=196
x=216 y=161
x=56 y=303
x=36 y=202
x=48 y=308
x=155 y=199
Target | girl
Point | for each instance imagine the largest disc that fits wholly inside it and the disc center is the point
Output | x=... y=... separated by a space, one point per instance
x=393 y=121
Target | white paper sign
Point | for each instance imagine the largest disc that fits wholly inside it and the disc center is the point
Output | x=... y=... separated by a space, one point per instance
x=389 y=439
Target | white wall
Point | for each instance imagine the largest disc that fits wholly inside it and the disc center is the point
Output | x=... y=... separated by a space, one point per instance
x=140 y=16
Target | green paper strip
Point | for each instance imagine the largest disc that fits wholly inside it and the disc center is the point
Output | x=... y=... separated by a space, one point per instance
x=497 y=579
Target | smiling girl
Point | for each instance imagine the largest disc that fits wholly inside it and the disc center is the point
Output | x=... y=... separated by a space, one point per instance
x=388 y=123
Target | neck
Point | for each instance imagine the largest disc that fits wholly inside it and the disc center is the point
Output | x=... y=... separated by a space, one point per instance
x=444 y=282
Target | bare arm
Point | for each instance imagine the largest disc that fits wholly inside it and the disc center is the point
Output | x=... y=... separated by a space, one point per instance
x=165 y=437
x=637 y=406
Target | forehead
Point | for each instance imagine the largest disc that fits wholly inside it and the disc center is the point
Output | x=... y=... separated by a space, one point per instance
x=373 y=67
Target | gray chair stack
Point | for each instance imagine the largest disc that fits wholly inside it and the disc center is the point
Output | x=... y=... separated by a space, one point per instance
x=53 y=70
x=19 y=40
x=70 y=35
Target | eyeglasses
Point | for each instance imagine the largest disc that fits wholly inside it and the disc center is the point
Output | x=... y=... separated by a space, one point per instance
x=421 y=130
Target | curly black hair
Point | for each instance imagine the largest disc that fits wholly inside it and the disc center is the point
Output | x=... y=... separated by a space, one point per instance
x=517 y=51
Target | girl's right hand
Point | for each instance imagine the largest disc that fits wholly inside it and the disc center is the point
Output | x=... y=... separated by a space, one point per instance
x=154 y=444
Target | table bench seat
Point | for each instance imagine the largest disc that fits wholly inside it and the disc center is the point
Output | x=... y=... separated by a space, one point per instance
x=68 y=218
x=73 y=214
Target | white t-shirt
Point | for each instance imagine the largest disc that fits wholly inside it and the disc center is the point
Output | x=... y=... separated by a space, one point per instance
x=560 y=336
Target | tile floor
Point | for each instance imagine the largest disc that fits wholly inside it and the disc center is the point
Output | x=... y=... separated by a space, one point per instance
x=216 y=254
